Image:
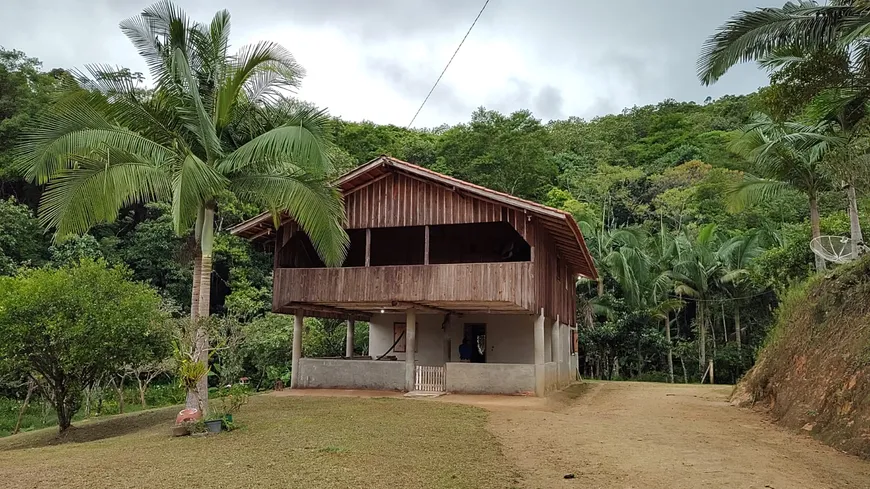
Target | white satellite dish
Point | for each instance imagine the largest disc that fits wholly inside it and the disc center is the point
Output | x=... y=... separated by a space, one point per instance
x=836 y=249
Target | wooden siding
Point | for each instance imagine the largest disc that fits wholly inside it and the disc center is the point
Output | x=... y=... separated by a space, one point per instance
x=554 y=285
x=505 y=286
x=396 y=199
x=402 y=200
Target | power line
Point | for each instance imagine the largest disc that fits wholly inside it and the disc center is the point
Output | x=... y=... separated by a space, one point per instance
x=448 y=64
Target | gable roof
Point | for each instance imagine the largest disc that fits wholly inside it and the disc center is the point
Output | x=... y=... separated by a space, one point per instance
x=561 y=225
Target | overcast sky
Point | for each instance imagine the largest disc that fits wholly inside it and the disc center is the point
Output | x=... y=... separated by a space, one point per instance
x=377 y=59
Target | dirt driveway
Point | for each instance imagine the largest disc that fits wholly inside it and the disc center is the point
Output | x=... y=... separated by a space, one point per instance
x=640 y=435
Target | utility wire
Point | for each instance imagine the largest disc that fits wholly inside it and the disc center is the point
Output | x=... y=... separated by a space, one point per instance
x=448 y=64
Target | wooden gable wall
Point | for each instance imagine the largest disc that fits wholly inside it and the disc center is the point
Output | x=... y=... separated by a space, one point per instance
x=401 y=200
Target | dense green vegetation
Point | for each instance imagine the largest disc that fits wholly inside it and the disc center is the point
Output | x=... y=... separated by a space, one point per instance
x=698 y=215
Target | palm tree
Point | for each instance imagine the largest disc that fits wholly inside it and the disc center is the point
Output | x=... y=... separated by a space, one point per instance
x=735 y=256
x=791 y=36
x=767 y=32
x=695 y=274
x=107 y=144
x=785 y=156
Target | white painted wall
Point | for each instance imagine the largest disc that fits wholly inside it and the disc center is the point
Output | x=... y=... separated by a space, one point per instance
x=509 y=337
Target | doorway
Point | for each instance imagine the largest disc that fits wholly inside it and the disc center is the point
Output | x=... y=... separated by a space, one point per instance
x=475 y=336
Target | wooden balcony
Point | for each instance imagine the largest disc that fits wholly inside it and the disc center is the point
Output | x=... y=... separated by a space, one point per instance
x=482 y=287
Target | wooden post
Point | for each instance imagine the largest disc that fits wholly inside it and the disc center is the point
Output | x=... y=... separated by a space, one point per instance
x=540 y=372
x=410 y=346
x=348 y=350
x=297 y=351
x=368 y=247
x=554 y=348
x=426 y=246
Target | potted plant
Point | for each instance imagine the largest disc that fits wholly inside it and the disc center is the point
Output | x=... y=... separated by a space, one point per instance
x=231 y=399
x=215 y=422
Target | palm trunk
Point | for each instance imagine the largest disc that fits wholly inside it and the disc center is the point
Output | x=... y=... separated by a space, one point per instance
x=670 y=349
x=202 y=343
x=600 y=286
x=702 y=330
x=737 y=333
x=854 y=222
x=200 y=303
x=197 y=265
x=815 y=224
x=197 y=271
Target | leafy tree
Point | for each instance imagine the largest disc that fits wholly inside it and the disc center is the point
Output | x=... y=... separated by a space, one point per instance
x=21 y=238
x=108 y=143
x=69 y=335
x=505 y=153
x=24 y=91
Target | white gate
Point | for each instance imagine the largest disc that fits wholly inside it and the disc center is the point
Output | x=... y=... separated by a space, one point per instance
x=429 y=379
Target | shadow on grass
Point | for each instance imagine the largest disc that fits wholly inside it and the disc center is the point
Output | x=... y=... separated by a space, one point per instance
x=93 y=429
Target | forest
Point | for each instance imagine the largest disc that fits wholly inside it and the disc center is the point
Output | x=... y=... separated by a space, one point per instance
x=698 y=215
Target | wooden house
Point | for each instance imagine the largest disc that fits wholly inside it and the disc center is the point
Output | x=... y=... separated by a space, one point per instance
x=465 y=289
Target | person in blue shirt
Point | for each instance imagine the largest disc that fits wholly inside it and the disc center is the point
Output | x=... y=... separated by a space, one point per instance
x=465 y=351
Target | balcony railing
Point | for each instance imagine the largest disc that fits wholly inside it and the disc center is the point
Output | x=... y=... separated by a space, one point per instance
x=508 y=285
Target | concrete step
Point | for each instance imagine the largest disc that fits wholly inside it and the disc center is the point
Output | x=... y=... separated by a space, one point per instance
x=424 y=394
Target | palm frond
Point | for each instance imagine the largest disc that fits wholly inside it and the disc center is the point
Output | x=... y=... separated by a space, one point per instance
x=194 y=184
x=317 y=208
x=755 y=35
x=96 y=189
x=753 y=190
x=197 y=120
x=75 y=126
x=248 y=70
x=301 y=143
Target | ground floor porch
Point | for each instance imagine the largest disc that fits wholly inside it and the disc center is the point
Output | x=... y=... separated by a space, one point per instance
x=480 y=353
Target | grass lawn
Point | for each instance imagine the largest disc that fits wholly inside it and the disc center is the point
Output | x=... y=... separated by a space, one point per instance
x=305 y=442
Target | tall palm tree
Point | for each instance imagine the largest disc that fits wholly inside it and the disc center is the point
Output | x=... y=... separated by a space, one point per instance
x=735 y=255
x=108 y=144
x=695 y=274
x=784 y=156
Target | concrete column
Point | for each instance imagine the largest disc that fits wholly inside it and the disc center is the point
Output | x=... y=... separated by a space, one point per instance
x=410 y=347
x=348 y=349
x=297 y=351
x=540 y=373
x=555 y=348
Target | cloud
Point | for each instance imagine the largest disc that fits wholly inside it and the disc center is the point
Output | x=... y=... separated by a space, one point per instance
x=377 y=59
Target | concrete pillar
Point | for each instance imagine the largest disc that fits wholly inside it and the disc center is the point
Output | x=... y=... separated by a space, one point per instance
x=410 y=347
x=348 y=349
x=540 y=372
x=297 y=351
x=555 y=347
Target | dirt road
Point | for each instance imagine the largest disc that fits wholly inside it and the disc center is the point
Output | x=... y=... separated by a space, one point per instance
x=639 y=435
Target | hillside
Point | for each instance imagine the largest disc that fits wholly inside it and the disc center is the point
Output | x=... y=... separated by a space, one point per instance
x=814 y=371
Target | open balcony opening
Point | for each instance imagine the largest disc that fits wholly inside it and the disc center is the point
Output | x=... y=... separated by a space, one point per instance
x=398 y=246
x=489 y=242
